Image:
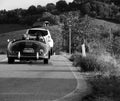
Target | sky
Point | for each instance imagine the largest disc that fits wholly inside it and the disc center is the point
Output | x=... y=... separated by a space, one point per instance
x=13 y=4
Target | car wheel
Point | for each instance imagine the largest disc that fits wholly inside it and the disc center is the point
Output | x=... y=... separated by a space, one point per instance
x=45 y=61
x=10 y=60
x=49 y=55
x=51 y=52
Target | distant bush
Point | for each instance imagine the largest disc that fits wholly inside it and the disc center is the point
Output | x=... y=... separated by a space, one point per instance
x=88 y=63
x=74 y=56
x=93 y=63
x=53 y=19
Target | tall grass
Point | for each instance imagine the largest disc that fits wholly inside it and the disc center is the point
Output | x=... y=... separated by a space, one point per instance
x=104 y=88
x=105 y=85
x=89 y=63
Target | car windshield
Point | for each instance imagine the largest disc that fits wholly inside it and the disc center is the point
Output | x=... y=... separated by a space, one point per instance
x=37 y=32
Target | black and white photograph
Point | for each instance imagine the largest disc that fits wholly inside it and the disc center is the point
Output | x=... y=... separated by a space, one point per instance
x=59 y=50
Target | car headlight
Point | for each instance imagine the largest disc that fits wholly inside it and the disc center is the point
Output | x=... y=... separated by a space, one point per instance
x=41 y=51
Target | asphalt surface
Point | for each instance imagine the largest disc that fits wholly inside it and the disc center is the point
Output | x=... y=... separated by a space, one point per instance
x=35 y=81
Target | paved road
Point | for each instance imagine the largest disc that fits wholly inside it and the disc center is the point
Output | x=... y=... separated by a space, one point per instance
x=35 y=81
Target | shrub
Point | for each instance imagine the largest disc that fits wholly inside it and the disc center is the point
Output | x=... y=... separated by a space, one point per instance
x=94 y=63
x=88 y=63
x=74 y=56
x=105 y=85
x=104 y=88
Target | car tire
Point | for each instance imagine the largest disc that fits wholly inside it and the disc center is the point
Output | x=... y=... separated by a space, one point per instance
x=49 y=55
x=45 y=61
x=10 y=60
x=51 y=51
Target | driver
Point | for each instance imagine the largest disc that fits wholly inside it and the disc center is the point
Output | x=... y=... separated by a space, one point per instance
x=37 y=37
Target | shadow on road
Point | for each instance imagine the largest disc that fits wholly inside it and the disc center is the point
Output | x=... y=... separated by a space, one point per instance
x=27 y=62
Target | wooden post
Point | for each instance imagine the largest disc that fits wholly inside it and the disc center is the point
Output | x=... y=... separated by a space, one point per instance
x=69 y=39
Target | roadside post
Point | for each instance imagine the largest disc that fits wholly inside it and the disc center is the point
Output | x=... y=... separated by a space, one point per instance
x=46 y=23
x=70 y=37
x=83 y=48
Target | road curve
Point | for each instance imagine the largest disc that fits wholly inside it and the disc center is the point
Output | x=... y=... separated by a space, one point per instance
x=35 y=81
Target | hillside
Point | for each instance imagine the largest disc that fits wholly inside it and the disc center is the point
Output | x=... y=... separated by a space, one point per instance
x=97 y=30
x=55 y=33
x=10 y=35
x=107 y=25
x=100 y=33
x=4 y=28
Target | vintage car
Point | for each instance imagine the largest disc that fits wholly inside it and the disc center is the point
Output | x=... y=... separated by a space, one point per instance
x=36 y=44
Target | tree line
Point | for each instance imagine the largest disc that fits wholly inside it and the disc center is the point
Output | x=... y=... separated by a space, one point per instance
x=105 y=9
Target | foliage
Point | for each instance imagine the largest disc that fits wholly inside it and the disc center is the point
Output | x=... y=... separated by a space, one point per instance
x=71 y=22
x=74 y=56
x=104 y=84
x=88 y=63
x=104 y=88
x=49 y=17
x=32 y=10
x=57 y=38
x=62 y=6
x=50 y=7
x=92 y=62
x=108 y=10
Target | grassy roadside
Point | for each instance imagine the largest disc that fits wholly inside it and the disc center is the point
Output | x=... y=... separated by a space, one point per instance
x=106 y=79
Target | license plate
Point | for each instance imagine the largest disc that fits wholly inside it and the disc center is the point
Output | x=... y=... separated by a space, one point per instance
x=28 y=50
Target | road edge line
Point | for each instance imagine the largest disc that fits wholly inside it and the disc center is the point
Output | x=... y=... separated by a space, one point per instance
x=76 y=94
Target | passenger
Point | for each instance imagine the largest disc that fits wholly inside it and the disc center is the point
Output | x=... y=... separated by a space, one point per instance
x=37 y=37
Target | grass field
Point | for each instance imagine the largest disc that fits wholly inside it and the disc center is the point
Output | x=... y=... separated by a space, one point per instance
x=9 y=31
x=10 y=35
x=4 y=28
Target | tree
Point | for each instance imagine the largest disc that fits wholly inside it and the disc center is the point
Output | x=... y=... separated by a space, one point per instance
x=3 y=16
x=80 y=1
x=41 y=9
x=62 y=6
x=32 y=10
x=72 y=6
x=12 y=16
x=71 y=22
x=117 y=2
x=86 y=8
x=50 y=7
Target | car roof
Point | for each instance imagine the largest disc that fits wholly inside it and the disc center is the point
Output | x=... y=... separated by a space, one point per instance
x=38 y=29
